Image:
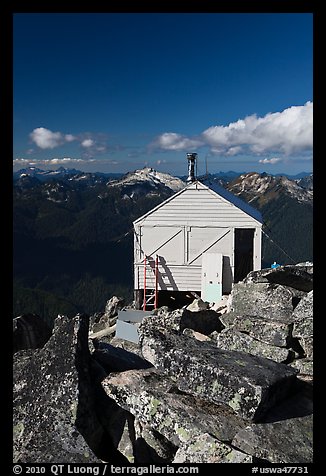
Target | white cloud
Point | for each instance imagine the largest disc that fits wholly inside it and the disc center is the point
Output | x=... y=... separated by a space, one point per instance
x=273 y=160
x=173 y=141
x=46 y=139
x=87 y=143
x=287 y=132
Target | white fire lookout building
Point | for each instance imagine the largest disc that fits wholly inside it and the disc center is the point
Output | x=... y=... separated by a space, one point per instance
x=201 y=240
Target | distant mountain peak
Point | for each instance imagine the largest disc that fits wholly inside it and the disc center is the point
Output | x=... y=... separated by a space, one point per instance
x=151 y=177
x=264 y=187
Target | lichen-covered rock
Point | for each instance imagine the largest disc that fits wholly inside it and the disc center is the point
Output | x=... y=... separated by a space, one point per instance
x=204 y=322
x=286 y=441
x=150 y=446
x=305 y=367
x=304 y=310
x=285 y=434
x=235 y=340
x=303 y=330
x=166 y=318
x=272 y=301
x=303 y=324
x=295 y=276
x=273 y=332
x=155 y=401
x=205 y=449
x=53 y=412
x=247 y=383
x=30 y=331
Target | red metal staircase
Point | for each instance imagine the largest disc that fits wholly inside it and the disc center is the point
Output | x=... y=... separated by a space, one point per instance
x=150 y=283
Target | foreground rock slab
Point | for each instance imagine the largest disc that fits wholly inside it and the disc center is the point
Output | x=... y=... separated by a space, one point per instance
x=303 y=324
x=286 y=435
x=183 y=420
x=205 y=449
x=298 y=276
x=272 y=301
x=248 y=384
x=269 y=331
x=234 y=340
x=52 y=406
x=286 y=441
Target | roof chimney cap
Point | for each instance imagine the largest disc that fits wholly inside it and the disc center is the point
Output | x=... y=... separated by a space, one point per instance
x=192 y=157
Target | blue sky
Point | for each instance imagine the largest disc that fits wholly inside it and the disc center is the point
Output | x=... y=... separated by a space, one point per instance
x=114 y=92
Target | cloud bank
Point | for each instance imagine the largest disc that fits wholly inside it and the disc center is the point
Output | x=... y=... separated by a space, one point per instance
x=60 y=161
x=287 y=132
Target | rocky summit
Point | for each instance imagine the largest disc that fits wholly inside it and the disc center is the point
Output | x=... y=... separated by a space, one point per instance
x=223 y=383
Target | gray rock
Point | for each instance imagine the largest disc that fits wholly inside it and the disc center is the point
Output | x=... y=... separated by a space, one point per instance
x=308 y=346
x=303 y=324
x=205 y=449
x=234 y=340
x=30 y=331
x=303 y=330
x=305 y=367
x=155 y=401
x=166 y=318
x=126 y=345
x=116 y=359
x=299 y=276
x=273 y=332
x=198 y=305
x=150 y=446
x=304 y=310
x=112 y=307
x=286 y=441
x=285 y=434
x=248 y=384
x=124 y=440
x=53 y=407
x=196 y=335
x=204 y=322
x=228 y=319
x=271 y=301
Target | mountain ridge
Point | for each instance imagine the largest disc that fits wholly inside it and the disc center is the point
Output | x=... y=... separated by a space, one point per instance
x=69 y=232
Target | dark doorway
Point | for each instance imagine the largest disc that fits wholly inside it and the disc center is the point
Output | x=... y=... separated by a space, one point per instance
x=244 y=252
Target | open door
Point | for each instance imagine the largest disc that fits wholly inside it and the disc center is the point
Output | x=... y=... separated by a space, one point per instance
x=243 y=252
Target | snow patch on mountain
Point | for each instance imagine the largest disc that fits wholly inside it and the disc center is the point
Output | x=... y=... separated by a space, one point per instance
x=263 y=187
x=150 y=177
